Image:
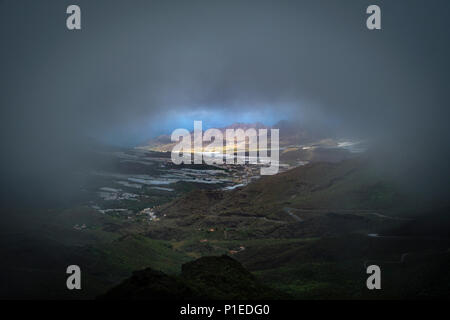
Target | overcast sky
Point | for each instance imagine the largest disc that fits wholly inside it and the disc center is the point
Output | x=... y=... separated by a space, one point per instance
x=138 y=68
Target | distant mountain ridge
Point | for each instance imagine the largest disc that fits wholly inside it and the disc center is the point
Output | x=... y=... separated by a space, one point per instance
x=290 y=133
x=298 y=144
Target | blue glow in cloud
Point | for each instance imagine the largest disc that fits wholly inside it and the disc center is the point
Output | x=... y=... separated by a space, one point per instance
x=136 y=134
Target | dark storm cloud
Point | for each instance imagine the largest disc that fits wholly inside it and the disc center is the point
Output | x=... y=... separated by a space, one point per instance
x=134 y=61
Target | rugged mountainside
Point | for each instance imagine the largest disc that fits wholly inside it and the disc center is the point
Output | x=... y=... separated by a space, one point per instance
x=311 y=200
x=349 y=184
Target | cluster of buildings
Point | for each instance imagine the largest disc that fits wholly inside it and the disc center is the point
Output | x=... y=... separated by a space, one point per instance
x=79 y=227
x=149 y=213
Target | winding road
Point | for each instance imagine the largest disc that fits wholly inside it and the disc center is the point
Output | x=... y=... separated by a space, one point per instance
x=289 y=212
